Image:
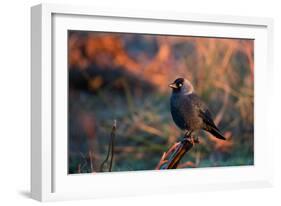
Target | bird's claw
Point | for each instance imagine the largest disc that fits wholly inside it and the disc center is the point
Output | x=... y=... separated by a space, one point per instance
x=196 y=140
x=192 y=139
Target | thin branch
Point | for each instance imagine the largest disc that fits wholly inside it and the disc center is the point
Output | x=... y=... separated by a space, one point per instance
x=112 y=144
x=91 y=160
x=110 y=151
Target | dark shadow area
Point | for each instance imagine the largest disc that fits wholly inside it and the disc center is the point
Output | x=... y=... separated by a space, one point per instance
x=25 y=193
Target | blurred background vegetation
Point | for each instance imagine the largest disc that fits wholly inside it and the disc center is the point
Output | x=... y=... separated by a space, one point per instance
x=125 y=77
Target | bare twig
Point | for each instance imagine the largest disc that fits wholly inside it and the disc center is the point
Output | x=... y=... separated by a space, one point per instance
x=112 y=145
x=91 y=160
x=110 y=151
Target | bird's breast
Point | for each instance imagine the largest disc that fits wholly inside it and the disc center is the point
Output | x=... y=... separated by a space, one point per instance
x=177 y=112
x=185 y=113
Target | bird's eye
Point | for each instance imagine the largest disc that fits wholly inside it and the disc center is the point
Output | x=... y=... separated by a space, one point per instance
x=180 y=85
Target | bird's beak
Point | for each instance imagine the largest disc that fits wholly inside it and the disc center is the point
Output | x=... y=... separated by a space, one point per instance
x=173 y=85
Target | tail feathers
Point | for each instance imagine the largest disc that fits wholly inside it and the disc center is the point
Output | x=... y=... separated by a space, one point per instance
x=216 y=133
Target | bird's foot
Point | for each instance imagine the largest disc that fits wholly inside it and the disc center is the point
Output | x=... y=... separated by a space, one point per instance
x=187 y=135
x=196 y=140
x=192 y=139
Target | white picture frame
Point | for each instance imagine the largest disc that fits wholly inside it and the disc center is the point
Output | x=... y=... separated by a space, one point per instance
x=49 y=178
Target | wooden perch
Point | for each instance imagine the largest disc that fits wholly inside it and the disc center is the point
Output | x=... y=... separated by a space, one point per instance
x=171 y=159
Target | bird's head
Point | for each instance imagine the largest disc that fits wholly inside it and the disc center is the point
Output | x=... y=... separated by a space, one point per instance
x=182 y=85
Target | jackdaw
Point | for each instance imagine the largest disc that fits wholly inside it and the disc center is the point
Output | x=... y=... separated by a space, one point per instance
x=189 y=112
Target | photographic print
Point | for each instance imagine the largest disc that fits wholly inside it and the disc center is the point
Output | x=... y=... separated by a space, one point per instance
x=151 y=102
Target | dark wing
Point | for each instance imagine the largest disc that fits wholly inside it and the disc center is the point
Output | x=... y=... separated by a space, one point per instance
x=210 y=125
x=206 y=116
